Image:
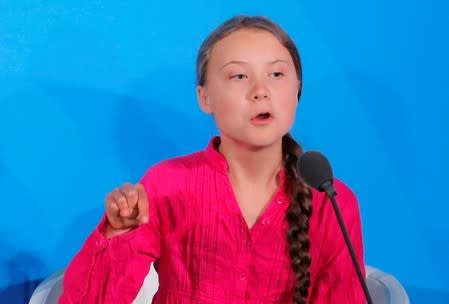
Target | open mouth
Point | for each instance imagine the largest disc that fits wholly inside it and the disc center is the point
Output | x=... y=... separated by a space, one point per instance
x=263 y=116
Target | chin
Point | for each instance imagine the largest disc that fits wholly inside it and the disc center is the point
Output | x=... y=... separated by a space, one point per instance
x=256 y=140
x=263 y=141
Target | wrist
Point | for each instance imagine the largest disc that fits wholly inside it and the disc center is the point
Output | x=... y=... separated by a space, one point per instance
x=109 y=232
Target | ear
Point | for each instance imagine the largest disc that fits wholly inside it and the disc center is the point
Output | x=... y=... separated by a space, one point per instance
x=203 y=99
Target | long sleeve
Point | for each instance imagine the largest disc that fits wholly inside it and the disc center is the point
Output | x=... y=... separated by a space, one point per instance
x=336 y=280
x=113 y=271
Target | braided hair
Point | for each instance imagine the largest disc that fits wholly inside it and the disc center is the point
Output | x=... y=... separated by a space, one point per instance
x=298 y=215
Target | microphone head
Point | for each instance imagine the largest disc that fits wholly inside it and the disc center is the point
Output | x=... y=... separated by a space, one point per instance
x=315 y=170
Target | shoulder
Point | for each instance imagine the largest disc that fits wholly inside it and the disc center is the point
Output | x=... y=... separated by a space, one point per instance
x=169 y=172
x=345 y=195
x=325 y=231
x=347 y=203
x=328 y=246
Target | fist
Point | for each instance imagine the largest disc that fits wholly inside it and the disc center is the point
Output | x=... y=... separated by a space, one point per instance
x=126 y=208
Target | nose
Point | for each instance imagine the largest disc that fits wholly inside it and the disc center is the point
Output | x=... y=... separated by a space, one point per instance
x=259 y=91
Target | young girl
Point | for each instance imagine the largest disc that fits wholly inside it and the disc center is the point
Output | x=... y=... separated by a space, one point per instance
x=232 y=223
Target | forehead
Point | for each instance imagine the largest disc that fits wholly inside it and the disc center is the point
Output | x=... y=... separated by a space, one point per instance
x=249 y=45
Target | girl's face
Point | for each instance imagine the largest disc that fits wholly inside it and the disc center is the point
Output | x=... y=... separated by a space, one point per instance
x=251 y=88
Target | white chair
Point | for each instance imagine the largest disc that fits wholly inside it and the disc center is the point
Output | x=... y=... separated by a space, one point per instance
x=49 y=290
x=383 y=287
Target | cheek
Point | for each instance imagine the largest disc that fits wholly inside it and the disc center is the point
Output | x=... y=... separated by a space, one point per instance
x=286 y=88
x=226 y=100
x=224 y=107
x=226 y=112
x=289 y=106
x=290 y=113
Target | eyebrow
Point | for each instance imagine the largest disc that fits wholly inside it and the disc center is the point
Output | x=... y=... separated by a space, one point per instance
x=244 y=62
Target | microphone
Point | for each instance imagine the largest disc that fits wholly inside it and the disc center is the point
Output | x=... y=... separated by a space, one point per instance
x=316 y=171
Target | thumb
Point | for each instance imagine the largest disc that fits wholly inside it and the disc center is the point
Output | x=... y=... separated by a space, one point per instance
x=143 y=204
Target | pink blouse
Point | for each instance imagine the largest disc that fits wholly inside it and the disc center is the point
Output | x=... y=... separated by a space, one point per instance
x=204 y=251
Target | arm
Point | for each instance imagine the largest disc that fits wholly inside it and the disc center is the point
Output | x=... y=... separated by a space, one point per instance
x=113 y=270
x=337 y=280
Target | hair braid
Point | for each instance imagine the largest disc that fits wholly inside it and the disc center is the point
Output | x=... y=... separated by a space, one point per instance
x=298 y=215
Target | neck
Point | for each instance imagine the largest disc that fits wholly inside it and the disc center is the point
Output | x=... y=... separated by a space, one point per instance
x=252 y=165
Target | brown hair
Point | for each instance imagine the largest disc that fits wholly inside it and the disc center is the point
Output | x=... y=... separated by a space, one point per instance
x=300 y=208
x=245 y=22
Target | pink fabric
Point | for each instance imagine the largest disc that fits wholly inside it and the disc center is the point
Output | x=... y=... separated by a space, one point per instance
x=205 y=253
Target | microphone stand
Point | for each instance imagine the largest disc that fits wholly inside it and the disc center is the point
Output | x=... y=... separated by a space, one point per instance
x=330 y=191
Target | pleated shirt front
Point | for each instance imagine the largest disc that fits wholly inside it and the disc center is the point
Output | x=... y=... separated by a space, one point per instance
x=203 y=250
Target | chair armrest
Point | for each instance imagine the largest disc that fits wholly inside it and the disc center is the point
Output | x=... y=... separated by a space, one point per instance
x=49 y=290
x=384 y=288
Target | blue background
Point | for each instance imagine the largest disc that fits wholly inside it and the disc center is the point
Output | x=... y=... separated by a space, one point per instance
x=94 y=92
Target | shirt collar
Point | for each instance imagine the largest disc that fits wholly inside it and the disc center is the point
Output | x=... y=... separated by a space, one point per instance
x=217 y=160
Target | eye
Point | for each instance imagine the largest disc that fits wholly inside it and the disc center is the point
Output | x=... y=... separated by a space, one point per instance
x=277 y=74
x=239 y=76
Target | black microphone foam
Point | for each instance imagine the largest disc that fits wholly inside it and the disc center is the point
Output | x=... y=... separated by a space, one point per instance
x=315 y=170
